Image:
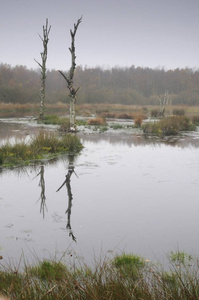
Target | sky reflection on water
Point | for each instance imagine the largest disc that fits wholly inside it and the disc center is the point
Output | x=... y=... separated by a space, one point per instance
x=128 y=195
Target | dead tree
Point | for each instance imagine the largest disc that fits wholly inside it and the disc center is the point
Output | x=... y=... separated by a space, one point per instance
x=163 y=103
x=42 y=65
x=69 y=78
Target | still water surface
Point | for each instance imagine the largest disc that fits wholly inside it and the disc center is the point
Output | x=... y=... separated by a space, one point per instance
x=129 y=194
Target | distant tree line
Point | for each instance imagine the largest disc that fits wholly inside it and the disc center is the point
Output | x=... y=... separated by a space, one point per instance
x=140 y=86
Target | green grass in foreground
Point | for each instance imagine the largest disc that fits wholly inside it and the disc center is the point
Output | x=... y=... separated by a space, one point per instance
x=124 y=277
x=44 y=145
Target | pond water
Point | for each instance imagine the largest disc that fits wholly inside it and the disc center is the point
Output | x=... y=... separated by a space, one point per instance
x=125 y=193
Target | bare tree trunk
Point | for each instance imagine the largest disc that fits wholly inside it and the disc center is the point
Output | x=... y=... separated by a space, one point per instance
x=69 y=78
x=42 y=65
x=164 y=103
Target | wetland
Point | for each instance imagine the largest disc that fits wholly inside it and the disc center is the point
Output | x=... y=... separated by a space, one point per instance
x=125 y=192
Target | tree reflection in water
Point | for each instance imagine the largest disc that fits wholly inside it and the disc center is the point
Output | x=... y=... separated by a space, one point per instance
x=42 y=197
x=71 y=170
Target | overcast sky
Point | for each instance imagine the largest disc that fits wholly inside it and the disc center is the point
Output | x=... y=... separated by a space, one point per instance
x=145 y=33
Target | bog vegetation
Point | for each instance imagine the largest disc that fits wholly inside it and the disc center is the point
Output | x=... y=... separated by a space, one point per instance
x=126 y=276
x=171 y=125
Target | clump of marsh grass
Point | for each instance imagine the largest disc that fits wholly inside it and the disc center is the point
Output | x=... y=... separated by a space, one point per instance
x=49 y=270
x=44 y=145
x=126 y=277
x=169 y=126
x=97 y=121
x=129 y=265
x=138 y=120
x=125 y=116
x=44 y=141
x=20 y=151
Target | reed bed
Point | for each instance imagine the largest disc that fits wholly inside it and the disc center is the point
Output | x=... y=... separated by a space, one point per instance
x=128 y=277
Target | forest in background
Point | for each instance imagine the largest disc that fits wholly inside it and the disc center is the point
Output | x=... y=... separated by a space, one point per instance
x=129 y=85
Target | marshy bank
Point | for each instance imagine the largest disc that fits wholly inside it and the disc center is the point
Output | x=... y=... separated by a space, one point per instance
x=125 y=276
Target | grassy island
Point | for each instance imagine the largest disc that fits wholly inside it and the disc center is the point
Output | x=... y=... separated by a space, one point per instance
x=45 y=145
x=171 y=125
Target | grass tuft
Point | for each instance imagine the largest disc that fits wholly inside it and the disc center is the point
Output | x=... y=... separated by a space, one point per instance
x=97 y=121
x=49 y=270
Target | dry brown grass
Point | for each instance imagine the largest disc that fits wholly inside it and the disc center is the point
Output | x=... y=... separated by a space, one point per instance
x=139 y=119
x=98 y=109
x=14 y=110
x=97 y=121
